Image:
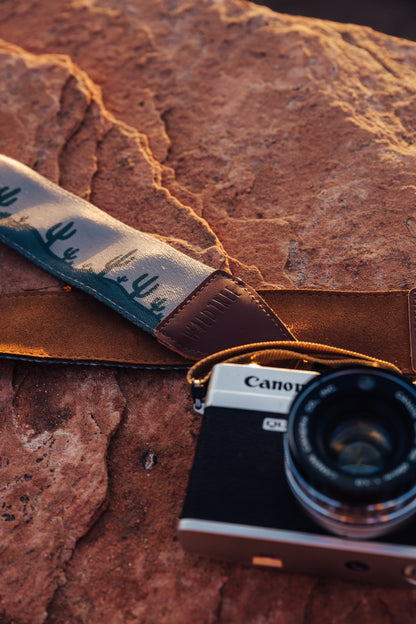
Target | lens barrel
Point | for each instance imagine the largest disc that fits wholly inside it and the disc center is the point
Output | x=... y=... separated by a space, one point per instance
x=350 y=451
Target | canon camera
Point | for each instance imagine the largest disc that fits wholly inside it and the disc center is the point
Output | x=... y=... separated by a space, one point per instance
x=307 y=472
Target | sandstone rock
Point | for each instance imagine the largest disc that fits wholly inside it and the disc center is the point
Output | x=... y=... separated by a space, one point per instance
x=280 y=147
x=267 y=117
x=53 y=475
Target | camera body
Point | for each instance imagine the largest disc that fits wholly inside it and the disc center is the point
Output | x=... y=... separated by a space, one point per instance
x=241 y=505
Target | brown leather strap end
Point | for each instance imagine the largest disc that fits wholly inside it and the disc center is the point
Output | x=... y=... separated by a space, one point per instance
x=222 y=312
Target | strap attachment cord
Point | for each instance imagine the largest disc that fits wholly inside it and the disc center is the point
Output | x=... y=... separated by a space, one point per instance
x=281 y=353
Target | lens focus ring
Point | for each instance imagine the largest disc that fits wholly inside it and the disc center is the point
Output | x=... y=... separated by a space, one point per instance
x=351 y=447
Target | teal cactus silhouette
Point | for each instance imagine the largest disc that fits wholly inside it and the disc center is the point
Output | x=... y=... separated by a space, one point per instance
x=118 y=262
x=158 y=305
x=8 y=197
x=70 y=254
x=4 y=215
x=59 y=232
x=121 y=279
x=139 y=289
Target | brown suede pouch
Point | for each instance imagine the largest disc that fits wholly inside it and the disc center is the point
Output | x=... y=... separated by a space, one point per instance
x=72 y=326
x=374 y=323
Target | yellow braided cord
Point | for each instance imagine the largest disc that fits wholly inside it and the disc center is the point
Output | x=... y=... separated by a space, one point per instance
x=296 y=353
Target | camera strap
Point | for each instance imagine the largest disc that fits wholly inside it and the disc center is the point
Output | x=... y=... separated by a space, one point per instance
x=295 y=355
x=188 y=306
x=152 y=290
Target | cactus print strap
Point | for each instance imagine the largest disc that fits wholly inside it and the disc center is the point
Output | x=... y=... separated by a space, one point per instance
x=141 y=277
x=189 y=307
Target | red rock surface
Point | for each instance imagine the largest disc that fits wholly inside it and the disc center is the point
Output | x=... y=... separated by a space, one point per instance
x=279 y=147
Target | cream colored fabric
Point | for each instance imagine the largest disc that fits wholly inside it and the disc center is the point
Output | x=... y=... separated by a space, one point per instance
x=139 y=276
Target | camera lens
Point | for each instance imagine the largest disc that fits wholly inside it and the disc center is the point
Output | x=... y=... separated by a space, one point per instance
x=358 y=431
x=350 y=451
x=360 y=447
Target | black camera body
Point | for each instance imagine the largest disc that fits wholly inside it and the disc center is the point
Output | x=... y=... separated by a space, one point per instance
x=306 y=473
